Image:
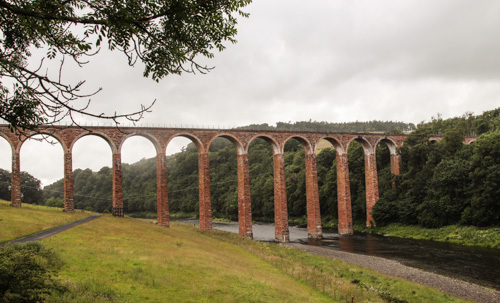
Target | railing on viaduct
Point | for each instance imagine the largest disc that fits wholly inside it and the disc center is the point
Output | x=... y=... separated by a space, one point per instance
x=202 y=138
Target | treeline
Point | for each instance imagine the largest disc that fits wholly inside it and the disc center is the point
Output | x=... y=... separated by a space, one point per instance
x=322 y=126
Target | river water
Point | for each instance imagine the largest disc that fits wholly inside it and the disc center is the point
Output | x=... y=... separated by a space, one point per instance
x=473 y=264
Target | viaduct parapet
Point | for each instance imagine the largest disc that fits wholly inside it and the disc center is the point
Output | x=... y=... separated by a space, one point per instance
x=202 y=138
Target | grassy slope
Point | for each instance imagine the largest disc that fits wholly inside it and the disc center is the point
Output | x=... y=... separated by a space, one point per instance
x=467 y=235
x=128 y=260
x=28 y=219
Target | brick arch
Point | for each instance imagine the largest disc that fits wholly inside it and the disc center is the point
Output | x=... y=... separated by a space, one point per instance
x=470 y=140
x=8 y=141
x=236 y=142
x=306 y=144
x=367 y=147
x=334 y=142
x=150 y=137
x=56 y=136
x=390 y=144
x=271 y=141
x=197 y=142
x=104 y=136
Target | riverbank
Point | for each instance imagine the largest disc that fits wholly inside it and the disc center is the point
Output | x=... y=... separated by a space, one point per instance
x=453 y=287
x=465 y=235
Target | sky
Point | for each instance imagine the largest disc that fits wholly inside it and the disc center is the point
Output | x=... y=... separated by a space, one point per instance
x=325 y=60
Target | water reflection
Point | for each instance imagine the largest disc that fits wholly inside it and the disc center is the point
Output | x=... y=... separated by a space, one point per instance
x=473 y=264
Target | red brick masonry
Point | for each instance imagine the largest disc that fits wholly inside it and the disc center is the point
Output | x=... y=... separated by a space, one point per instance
x=160 y=137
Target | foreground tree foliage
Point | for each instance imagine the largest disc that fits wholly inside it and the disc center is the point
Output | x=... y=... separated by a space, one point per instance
x=166 y=36
x=27 y=273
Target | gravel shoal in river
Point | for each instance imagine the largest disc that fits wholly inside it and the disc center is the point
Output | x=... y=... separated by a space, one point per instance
x=453 y=287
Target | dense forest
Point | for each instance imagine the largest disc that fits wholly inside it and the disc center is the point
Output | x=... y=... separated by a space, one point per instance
x=447 y=182
x=440 y=183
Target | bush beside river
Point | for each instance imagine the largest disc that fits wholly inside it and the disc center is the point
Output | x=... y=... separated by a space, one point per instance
x=466 y=235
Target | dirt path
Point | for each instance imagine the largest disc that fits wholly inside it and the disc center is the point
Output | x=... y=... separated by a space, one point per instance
x=453 y=287
x=49 y=232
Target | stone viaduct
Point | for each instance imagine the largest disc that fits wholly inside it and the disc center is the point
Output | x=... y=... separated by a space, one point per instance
x=202 y=138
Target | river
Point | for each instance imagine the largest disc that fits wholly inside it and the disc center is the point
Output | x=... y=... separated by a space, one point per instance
x=473 y=264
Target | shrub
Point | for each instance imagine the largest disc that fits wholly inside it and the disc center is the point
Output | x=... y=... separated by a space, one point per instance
x=27 y=273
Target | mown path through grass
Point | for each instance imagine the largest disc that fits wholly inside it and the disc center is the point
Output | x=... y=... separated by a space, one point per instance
x=49 y=232
x=18 y=222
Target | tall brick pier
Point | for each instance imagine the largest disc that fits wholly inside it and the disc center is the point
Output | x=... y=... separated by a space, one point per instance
x=202 y=138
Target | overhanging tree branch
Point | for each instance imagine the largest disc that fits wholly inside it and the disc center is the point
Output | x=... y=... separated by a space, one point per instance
x=167 y=36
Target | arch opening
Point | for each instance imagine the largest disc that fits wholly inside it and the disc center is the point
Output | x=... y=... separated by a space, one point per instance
x=42 y=165
x=183 y=177
x=356 y=154
x=326 y=159
x=92 y=173
x=260 y=160
x=295 y=180
x=223 y=178
x=139 y=177
x=386 y=155
x=5 y=169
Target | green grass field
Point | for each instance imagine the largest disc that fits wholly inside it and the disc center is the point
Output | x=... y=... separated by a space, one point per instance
x=28 y=219
x=128 y=260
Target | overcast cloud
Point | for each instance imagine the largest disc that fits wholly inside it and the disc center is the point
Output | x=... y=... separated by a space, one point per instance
x=325 y=60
